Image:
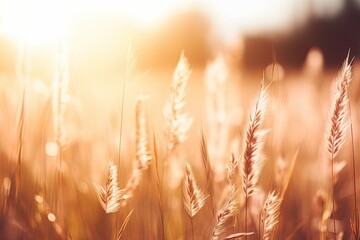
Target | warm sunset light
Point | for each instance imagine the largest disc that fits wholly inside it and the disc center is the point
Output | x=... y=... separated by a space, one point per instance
x=179 y=119
x=35 y=22
x=41 y=21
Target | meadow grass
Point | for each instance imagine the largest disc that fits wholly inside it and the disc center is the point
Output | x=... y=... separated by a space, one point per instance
x=175 y=156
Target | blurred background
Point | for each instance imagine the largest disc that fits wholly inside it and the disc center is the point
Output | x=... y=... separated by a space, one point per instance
x=98 y=33
x=229 y=45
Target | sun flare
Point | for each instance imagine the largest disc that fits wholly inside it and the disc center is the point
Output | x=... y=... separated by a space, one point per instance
x=42 y=21
x=36 y=21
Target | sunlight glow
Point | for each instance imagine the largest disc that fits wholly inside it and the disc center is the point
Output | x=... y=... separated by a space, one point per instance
x=42 y=21
x=51 y=149
x=146 y=12
x=51 y=217
x=36 y=21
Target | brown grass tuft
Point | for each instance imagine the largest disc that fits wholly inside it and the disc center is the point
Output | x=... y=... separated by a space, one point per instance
x=194 y=198
x=338 y=124
x=225 y=217
x=252 y=162
x=339 y=113
x=233 y=171
x=178 y=122
x=110 y=196
x=143 y=155
x=271 y=214
x=208 y=171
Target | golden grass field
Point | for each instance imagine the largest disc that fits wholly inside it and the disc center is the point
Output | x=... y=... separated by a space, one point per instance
x=84 y=158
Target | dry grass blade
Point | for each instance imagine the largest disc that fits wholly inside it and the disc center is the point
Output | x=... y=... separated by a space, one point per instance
x=177 y=121
x=271 y=214
x=123 y=226
x=238 y=235
x=289 y=174
x=252 y=162
x=142 y=143
x=110 y=196
x=207 y=168
x=205 y=157
x=143 y=155
x=339 y=122
x=224 y=218
x=194 y=198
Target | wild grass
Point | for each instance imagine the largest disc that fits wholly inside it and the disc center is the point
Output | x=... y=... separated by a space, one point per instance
x=188 y=171
x=252 y=157
x=110 y=196
x=271 y=214
x=338 y=126
x=194 y=198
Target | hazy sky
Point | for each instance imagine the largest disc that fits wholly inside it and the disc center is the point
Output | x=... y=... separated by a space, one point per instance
x=44 y=19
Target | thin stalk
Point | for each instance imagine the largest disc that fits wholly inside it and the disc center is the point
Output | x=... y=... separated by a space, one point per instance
x=160 y=184
x=192 y=228
x=127 y=73
x=161 y=189
x=120 y=138
x=246 y=210
x=21 y=126
x=60 y=181
x=130 y=64
x=333 y=193
x=356 y=230
x=22 y=74
x=21 y=139
x=121 y=118
x=160 y=203
x=208 y=172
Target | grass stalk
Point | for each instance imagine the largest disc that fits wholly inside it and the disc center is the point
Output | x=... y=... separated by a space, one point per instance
x=355 y=227
x=192 y=228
